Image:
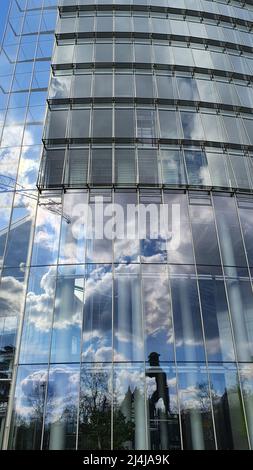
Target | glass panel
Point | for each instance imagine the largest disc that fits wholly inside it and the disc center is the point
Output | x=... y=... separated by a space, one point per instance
x=66 y=328
x=60 y=87
x=103 y=85
x=126 y=248
x=95 y=408
x=73 y=235
x=123 y=52
x=246 y=374
x=146 y=124
x=197 y=168
x=102 y=123
x=229 y=232
x=246 y=218
x=159 y=337
x=83 y=53
x=46 y=237
x=187 y=89
x=125 y=166
x=128 y=328
x=28 y=411
x=213 y=127
x=38 y=315
x=129 y=408
x=204 y=235
x=124 y=85
x=143 y=53
x=76 y=171
x=217 y=327
x=192 y=127
x=124 y=123
x=101 y=166
x=173 y=167
x=164 y=432
x=186 y=313
x=52 y=169
x=103 y=52
x=81 y=86
x=97 y=322
x=80 y=123
x=180 y=246
x=240 y=297
x=217 y=168
x=56 y=124
x=168 y=125
x=4 y=394
x=165 y=87
x=227 y=406
x=148 y=166
x=195 y=407
x=144 y=86
x=61 y=407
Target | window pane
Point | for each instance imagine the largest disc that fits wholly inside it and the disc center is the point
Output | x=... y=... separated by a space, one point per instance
x=38 y=316
x=76 y=167
x=204 y=235
x=102 y=123
x=173 y=167
x=97 y=326
x=27 y=418
x=159 y=337
x=187 y=320
x=101 y=166
x=197 y=168
x=80 y=124
x=179 y=248
x=56 y=124
x=195 y=405
x=219 y=343
x=95 y=408
x=124 y=123
x=124 y=85
x=128 y=328
x=148 y=166
x=61 y=407
x=103 y=85
x=66 y=329
x=163 y=420
x=125 y=166
x=227 y=406
x=168 y=125
x=129 y=410
x=81 y=86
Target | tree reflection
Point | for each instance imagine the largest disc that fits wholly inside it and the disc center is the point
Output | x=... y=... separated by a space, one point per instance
x=95 y=414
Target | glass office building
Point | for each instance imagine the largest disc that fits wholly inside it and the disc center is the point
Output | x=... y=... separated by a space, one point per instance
x=126 y=342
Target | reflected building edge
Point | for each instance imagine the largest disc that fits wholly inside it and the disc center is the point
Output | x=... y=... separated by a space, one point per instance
x=126 y=343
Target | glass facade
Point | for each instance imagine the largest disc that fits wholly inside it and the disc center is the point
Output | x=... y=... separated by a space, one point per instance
x=126 y=341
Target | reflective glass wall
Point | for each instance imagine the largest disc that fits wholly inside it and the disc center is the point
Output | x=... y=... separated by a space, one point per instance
x=129 y=342
x=25 y=58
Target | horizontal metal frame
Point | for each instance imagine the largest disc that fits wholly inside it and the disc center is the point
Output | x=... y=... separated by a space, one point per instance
x=185 y=187
x=156 y=9
x=165 y=37
x=150 y=101
x=154 y=141
x=152 y=66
